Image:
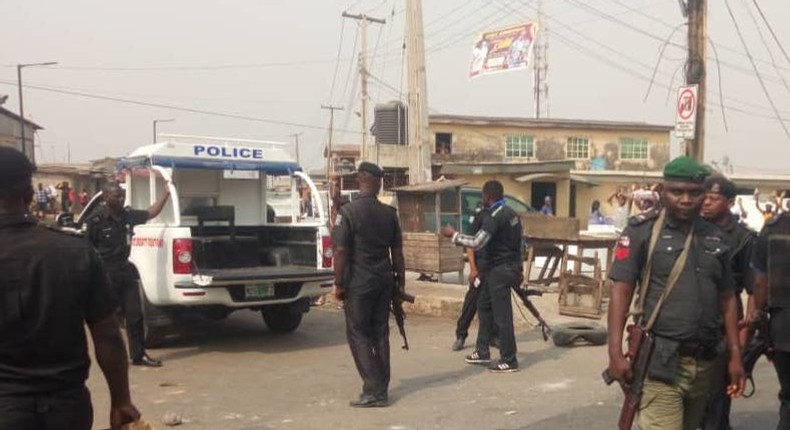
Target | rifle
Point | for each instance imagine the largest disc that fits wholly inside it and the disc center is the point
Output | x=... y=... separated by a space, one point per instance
x=524 y=294
x=640 y=348
x=758 y=346
x=398 y=297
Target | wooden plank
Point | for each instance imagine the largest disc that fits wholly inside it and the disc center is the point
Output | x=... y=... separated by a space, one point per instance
x=540 y=226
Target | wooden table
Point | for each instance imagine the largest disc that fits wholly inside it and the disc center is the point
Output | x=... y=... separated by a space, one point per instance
x=556 y=251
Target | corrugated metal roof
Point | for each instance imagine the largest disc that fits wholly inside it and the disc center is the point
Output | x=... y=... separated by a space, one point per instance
x=8 y=113
x=548 y=123
x=431 y=187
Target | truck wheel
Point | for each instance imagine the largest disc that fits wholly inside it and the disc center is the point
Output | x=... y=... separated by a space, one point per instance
x=282 y=318
x=155 y=323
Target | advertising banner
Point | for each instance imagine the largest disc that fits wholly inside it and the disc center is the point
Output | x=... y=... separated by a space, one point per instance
x=503 y=50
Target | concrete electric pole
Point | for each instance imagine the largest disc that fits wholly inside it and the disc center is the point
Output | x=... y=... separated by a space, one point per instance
x=296 y=143
x=696 y=71
x=419 y=148
x=23 y=139
x=540 y=61
x=363 y=73
x=331 y=110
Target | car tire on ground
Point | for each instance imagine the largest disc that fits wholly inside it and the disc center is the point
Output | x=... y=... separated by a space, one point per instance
x=570 y=333
x=282 y=318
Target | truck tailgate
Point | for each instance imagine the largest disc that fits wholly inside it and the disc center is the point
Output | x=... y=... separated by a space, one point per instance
x=222 y=277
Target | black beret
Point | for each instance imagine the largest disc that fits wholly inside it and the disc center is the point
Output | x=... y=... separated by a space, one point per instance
x=371 y=168
x=720 y=185
x=14 y=166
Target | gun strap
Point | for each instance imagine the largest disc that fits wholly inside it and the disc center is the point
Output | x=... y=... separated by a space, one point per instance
x=672 y=280
x=639 y=307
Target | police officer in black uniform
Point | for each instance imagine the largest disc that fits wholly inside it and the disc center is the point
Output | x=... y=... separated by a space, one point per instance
x=719 y=199
x=771 y=263
x=688 y=358
x=501 y=238
x=368 y=266
x=51 y=285
x=110 y=232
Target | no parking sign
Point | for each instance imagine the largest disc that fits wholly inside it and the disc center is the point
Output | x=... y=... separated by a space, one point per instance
x=686 y=112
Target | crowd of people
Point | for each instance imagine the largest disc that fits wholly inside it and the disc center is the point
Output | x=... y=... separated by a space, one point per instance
x=58 y=198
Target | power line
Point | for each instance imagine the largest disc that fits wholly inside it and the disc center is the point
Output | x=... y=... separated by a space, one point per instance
x=765 y=44
x=756 y=70
x=337 y=62
x=169 y=107
x=771 y=29
x=206 y=67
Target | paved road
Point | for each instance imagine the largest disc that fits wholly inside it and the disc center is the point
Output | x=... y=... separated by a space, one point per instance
x=237 y=375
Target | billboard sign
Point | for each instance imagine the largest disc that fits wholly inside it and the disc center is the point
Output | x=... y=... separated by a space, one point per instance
x=503 y=50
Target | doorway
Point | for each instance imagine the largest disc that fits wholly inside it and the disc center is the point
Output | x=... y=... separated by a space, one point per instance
x=539 y=192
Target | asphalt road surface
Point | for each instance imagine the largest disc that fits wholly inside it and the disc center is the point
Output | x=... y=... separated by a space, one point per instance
x=238 y=375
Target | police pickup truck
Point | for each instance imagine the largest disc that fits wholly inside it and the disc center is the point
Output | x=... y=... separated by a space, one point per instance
x=218 y=246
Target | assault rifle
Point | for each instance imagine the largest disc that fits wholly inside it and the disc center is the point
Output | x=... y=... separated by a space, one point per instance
x=640 y=348
x=524 y=294
x=398 y=298
x=758 y=346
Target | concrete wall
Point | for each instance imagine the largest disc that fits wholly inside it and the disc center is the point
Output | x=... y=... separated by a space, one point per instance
x=483 y=143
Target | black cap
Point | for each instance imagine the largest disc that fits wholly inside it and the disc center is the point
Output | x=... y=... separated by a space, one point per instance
x=720 y=185
x=14 y=166
x=371 y=168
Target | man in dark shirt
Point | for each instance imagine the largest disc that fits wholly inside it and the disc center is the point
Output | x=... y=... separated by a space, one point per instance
x=771 y=263
x=500 y=236
x=687 y=359
x=719 y=199
x=369 y=265
x=110 y=232
x=51 y=285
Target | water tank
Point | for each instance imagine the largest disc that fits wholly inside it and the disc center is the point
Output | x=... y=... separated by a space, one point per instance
x=390 y=123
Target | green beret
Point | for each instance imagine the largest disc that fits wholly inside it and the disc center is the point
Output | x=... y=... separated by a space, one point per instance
x=371 y=168
x=718 y=184
x=685 y=169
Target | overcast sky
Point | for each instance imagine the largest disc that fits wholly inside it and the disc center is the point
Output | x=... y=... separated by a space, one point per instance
x=276 y=60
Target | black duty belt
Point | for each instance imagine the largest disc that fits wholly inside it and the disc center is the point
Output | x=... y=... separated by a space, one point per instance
x=700 y=351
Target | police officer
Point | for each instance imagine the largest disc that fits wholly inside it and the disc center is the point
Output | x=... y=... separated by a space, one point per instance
x=368 y=267
x=720 y=195
x=469 y=307
x=110 y=232
x=771 y=263
x=51 y=285
x=688 y=356
x=500 y=236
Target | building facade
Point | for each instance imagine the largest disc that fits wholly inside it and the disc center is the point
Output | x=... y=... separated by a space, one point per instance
x=11 y=135
x=535 y=158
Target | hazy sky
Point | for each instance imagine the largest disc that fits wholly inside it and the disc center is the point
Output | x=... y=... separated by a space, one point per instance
x=275 y=60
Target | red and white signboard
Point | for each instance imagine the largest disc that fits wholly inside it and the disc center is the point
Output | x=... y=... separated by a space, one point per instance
x=686 y=112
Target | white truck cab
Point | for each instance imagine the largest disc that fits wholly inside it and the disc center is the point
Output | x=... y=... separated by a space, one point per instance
x=218 y=245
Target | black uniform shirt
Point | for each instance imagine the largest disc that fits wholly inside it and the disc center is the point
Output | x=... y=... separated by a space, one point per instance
x=477 y=223
x=779 y=294
x=503 y=224
x=111 y=234
x=740 y=240
x=51 y=284
x=368 y=229
x=692 y=311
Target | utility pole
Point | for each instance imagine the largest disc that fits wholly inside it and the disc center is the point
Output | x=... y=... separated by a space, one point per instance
x=19 y=68
x=419 y=150
x=363 y=72
x=540 y=67
x=696 y=71
x=157 y=121
x=296 y=137
x=331 y=110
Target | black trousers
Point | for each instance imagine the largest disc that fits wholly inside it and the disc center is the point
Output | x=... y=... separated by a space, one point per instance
x=125 y=284
x=62 y=410
x=717 y=417
x=367 y=330
x=781 y=362
x=496 y=309
x=468 y=311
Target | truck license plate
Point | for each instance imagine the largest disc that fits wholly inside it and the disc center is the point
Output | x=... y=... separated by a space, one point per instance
x=258 y=291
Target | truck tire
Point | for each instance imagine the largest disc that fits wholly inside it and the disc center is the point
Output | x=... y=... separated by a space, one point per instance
x=155 y=323
x=282 y=318
x=569 y=334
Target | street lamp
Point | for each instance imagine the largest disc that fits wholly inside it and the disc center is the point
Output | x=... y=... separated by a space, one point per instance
x=19 y=68
x=160 y=120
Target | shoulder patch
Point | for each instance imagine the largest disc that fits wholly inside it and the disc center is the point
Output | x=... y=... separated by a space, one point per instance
x=643 y=217
x=496 y=211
